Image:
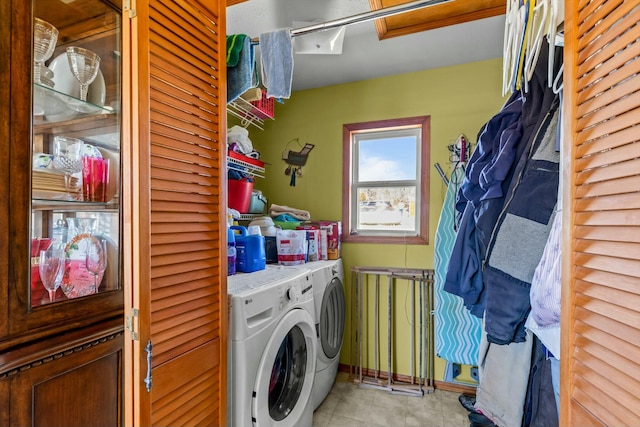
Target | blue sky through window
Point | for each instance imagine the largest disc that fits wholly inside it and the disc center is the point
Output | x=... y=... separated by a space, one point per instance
x=387 y=159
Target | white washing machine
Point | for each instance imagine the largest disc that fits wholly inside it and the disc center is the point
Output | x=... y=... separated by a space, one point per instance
x=329 y=300
x=272 y=348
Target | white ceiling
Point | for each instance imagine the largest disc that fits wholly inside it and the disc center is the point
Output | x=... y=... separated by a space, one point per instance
x=363 y=55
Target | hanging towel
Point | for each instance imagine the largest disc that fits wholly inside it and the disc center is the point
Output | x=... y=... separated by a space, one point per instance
x=240 y=77
x=276 y=51
x=234 y=47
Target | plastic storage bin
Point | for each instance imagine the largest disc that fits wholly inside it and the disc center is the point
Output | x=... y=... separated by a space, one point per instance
x=287 y=225
x=258 y=202
x=239 y=197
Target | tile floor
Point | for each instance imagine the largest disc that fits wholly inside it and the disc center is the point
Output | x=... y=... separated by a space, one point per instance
x=349 y=405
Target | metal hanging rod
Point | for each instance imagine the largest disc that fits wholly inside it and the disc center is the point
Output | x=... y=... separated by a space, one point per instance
x=363 y=17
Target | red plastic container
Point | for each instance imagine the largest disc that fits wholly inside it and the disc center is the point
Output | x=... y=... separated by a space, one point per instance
x=239 y=197
x=263 y=108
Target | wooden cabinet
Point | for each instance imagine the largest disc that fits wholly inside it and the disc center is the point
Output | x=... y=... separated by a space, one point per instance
x=73 y=380
x=47 y=204
x=64 y=351
x=164 y=121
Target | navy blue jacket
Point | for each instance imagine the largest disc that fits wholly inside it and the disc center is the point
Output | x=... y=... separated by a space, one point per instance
x=464 y=275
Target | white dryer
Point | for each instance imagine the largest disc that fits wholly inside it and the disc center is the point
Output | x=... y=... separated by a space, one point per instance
x=272 y=348
x=329 y=300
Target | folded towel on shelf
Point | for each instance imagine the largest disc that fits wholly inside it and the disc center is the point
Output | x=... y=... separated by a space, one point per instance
x=240 y=77
x=300 y=214
x=234 y=47
x=276 y=52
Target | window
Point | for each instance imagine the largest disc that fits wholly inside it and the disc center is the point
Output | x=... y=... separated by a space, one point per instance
x=386 y=181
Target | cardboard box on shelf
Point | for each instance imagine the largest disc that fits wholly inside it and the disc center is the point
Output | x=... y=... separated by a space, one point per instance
x=313 y=240
x=334 y=238
x=322 y=245
x=329 y=237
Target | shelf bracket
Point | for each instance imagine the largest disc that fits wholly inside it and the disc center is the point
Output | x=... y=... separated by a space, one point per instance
x=132 y=324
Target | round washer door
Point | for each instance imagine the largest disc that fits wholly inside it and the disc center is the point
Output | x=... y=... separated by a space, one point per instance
x=285 y=374
x=332 y=318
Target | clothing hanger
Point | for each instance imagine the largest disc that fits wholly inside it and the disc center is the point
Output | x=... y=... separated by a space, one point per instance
x=513 y=38
x=518 y=45
x=528 y=16
x=509 y=33
x=558 y=82
x=538 y=29
x=556 y=18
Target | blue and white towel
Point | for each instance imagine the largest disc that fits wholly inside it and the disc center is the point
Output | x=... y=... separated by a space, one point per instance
x=276 y=51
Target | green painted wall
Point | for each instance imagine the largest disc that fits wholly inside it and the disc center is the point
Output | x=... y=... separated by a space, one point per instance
x=459 y=99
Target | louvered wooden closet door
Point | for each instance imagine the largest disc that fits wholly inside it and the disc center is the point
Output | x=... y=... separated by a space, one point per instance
x=601 y=290
x=179 y=211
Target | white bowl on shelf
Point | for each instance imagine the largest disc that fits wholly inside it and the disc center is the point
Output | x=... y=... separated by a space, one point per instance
x=66 y=83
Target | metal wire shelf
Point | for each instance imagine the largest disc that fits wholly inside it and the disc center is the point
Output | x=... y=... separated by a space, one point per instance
x=245 y=111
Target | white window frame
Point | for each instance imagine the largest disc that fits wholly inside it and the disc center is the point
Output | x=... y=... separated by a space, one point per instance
x=352 y=135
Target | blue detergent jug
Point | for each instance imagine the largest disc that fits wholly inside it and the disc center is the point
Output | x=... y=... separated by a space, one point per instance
x=250 y=252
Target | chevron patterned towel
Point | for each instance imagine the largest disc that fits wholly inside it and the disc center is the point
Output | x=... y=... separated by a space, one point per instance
x=457 y=332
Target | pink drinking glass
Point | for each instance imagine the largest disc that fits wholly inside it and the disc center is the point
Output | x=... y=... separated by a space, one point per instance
x=95 y=179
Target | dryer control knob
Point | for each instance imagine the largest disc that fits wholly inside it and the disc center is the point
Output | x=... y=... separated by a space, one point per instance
x=292 y=294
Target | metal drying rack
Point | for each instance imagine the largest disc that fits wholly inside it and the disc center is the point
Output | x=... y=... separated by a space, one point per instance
x=365 y=280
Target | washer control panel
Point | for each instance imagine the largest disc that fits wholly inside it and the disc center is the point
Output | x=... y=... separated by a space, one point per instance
x=295 y=292
x=256 y=304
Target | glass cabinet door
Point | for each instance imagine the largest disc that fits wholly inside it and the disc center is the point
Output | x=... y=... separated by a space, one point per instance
x=75 y=144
